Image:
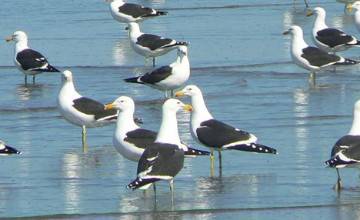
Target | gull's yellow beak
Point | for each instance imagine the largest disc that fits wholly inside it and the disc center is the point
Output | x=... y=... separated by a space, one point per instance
x=188 y=108
x=109 y=106
x=179 y=94
x=309 y=12
x=9 y=38
x=349 y=8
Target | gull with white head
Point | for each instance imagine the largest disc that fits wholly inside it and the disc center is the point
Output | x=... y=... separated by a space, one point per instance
x=27 y=60
x=82 y=111
x=149 y=45
x=330 y=39
x=346 y=151
x=163 y=159
x=216 y=134
x=129 y=12
x=167 y=78
x=309 y=57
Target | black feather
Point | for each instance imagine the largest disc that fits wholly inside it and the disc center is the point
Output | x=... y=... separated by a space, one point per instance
x=9 y=150
x=258 y=148
x=194 y=152
x=133 y=80
x=216 y=134
x=347 y=62
x=153 y=42
x=51 y=69
x=91 y=107
x=333 y=37
x=319 y=58
x=138 y=182
x=180 y=43
x=335 y=161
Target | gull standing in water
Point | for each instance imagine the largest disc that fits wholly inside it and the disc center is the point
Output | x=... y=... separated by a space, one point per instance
x=27 y=60
x=346 y=151
x=216 y=134
x=167 y=78
x=149 y=45
x=80 y=110
x=163 y=159
x=311 y=58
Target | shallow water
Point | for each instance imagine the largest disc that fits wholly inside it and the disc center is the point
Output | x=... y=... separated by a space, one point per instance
x=240 y=60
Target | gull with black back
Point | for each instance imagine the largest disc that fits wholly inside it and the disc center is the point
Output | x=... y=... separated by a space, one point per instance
x=27 y=60
x=129 y=12
x=309 y=57
x=150 y=45
x=346 y=151
x=330 y=39
x=163 y=159
x=82 y=111
x=216 y=134
x=167 y=78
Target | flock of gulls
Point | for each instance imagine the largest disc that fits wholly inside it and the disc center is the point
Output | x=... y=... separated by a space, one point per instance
x=160 y=155
x=329 y=41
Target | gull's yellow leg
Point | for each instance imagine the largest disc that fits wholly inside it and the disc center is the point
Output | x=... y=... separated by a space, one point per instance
x=84 y=144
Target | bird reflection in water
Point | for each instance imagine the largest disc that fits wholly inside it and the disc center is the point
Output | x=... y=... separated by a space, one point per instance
x=26 y=92
x=121 y=51
x=210 y=191
x=71 y=172
x=76 y=167
x=301 y=113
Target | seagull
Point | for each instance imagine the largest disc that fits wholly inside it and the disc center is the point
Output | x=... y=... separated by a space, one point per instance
x=129 y=139
x=168 y=77
x=149 y=45
x=356 y=6
x=129 y=12
x=216 y=134
x=6 y=149
x=80 y=110
x=163 y=159
x=346 y=151
x=27 y=60
x=311 y=58
x=330 y=39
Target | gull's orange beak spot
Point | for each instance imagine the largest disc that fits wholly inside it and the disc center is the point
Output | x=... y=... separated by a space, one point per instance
x=179 y=94
x=188 y=108
x=109 y=106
